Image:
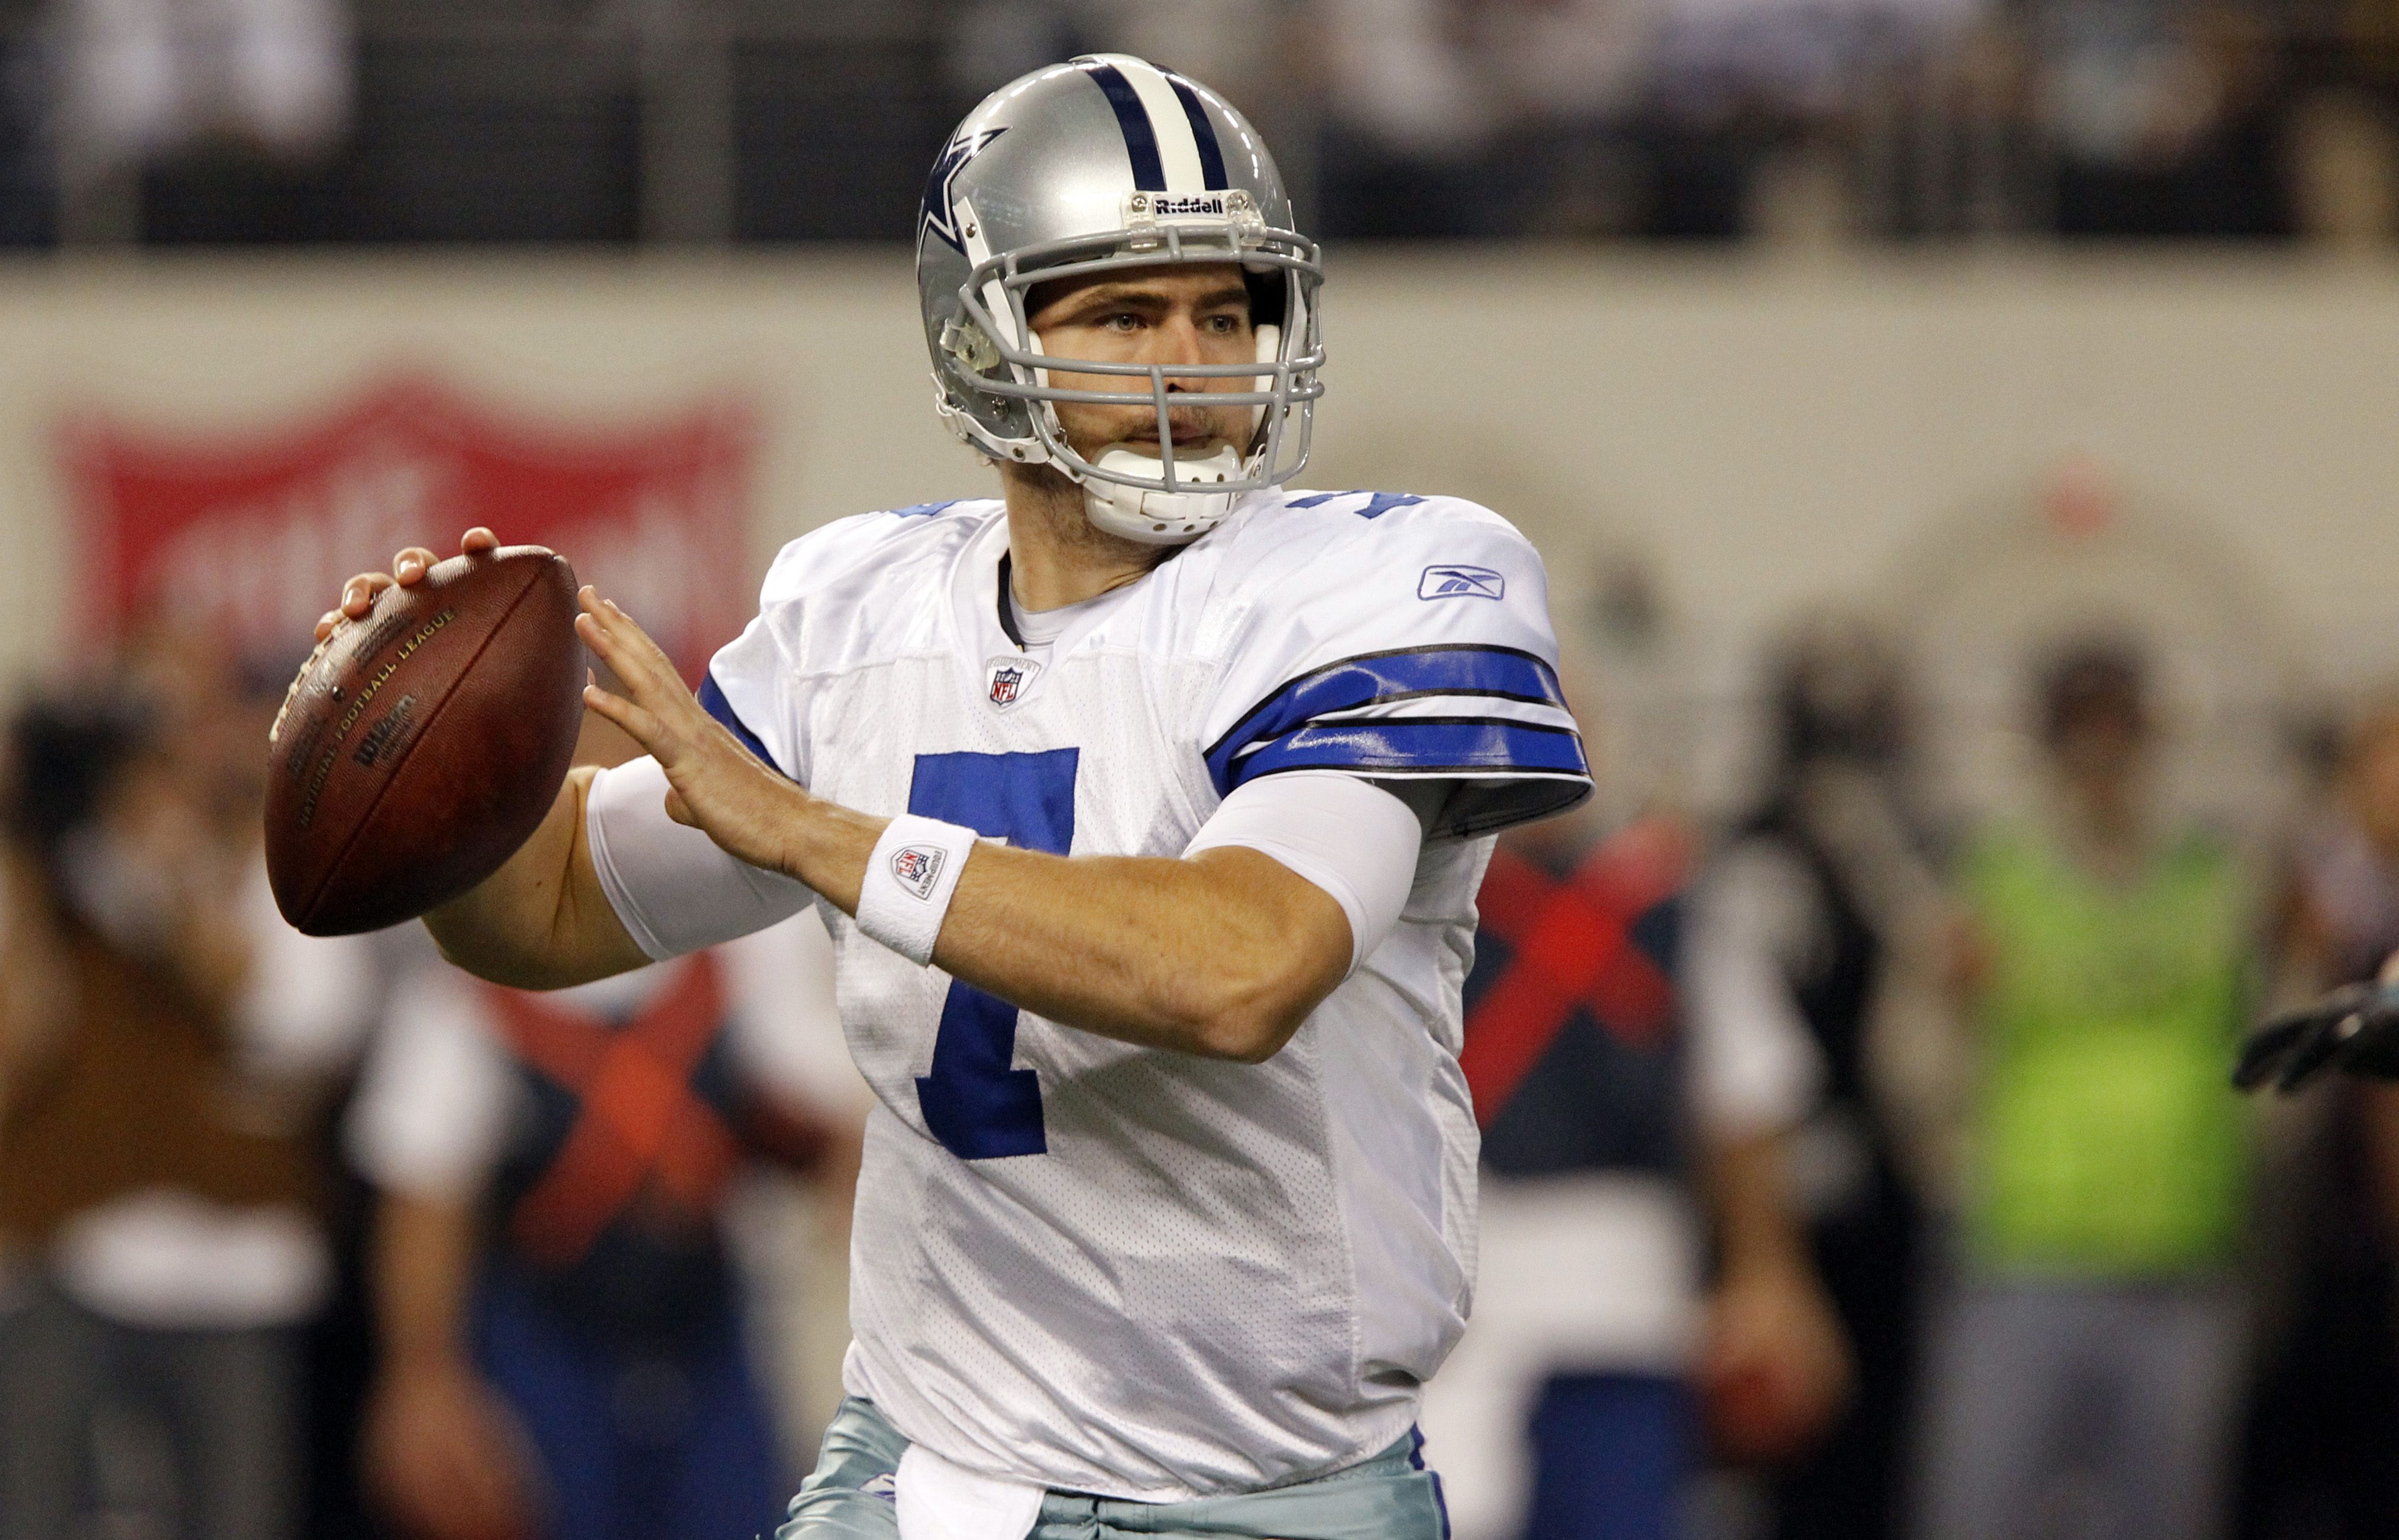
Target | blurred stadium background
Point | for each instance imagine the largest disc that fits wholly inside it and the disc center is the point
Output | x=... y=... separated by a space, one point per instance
x=1997 y=323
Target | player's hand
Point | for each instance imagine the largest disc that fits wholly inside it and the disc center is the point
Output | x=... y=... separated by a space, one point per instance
x=1774 y=1366
x=407 y=568
x=446 y=1458
x=715 y=785
x=2354 y=1029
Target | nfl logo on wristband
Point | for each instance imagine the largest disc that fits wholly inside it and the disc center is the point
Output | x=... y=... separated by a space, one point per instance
x=917 y=868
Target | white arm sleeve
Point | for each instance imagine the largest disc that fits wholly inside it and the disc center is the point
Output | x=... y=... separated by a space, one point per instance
x=675 y=888
x=1349 y=837
x=1754 y=1065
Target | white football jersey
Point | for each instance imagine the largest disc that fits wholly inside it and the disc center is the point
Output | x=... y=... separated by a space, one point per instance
x=1112 y=1269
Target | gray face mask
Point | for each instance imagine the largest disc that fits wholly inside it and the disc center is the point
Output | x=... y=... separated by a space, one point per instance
x=131 y=900
x=1104 y=169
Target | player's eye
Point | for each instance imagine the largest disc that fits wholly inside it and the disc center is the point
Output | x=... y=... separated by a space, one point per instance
x=1226 y=325
x=1120 y=320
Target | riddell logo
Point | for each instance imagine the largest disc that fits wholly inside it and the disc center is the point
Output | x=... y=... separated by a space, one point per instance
x=916 y=867
x=1165 y=206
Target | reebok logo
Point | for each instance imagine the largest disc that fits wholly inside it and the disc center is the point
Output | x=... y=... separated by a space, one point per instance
x=1460 y=582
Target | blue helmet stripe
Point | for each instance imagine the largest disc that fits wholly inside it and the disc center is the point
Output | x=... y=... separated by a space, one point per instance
x=1211 y=155
x=1141 y=138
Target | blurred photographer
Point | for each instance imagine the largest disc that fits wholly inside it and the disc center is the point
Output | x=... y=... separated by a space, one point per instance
x=2085 y=1363
x=165 y=1044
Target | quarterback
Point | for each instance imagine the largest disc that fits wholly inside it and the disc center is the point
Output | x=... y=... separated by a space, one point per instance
x=1146 y=803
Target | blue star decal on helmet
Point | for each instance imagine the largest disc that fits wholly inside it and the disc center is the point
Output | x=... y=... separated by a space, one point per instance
x=939 y=215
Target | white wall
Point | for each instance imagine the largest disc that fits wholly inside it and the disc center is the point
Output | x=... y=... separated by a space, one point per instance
x=1759 y=435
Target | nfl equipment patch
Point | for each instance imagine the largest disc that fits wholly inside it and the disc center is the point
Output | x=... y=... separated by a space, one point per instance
x=1007 y=679
x=916 y=867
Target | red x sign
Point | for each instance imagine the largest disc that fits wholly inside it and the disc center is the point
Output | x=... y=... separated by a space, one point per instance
x=642 y=1129
x=1572 y=947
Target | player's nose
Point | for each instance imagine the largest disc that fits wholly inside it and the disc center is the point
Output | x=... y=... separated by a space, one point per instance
x=1177 y=340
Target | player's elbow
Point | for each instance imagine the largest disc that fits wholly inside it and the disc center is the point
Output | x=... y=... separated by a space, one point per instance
x=507 y=967
x=1246 y=1038
x=1267 y=974
x=1253 y=1011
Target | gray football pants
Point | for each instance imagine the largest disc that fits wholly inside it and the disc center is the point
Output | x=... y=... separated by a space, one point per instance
x=2079 y=1412
x=1389 y=1497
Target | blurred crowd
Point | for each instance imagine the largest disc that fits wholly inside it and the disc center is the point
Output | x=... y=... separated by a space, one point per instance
x=1855 y=1165
x=1859 y=1155
x=247 y=121
x=322 y=1238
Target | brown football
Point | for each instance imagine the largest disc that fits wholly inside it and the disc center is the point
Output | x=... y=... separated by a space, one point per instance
x=422 y=745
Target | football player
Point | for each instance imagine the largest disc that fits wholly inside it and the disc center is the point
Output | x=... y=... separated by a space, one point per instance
x=1146 y=803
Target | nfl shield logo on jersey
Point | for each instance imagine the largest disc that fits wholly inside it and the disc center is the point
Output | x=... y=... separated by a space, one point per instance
x=916 y=865
x=1006 y=679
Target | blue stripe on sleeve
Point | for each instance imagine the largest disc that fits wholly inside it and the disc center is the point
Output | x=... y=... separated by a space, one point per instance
x=1141 y=138
x=712 y=701
x=1421 y=746
x=1374 y=678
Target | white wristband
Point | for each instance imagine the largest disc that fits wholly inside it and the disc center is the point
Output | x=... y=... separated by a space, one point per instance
x=909 y=880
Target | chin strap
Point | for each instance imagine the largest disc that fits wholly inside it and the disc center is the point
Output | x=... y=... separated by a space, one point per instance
x=1154 y=518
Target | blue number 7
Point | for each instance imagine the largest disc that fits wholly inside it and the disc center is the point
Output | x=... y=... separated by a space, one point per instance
x=978 y=1107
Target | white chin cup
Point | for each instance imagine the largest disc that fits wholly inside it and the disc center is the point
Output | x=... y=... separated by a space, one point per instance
x=1153 y=517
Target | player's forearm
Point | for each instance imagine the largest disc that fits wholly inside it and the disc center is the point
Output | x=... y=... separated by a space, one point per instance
x=422 y=1259
x=1750 y=1203
x=1222 y=956
x=542 y=919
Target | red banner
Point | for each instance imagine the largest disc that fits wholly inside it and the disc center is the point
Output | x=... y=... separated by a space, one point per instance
x=251 y=536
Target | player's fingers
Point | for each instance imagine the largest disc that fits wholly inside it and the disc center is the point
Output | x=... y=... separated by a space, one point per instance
x=657 y=666
x=2262 y=1055
x=599 y=633
x=643 y=727
x=626 y=630
x=593 y=626
x=2317 y=1047
x=410 y=565
x=358 y=594
x=2292 y=1046
x=615 y=707
x=478 y=540
x=325 y=622
x=641 y=664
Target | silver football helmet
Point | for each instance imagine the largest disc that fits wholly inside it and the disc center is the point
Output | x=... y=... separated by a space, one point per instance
x=1096 y=167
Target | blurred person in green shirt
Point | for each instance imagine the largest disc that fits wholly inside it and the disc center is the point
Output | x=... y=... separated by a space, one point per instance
x=2084 y=1362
